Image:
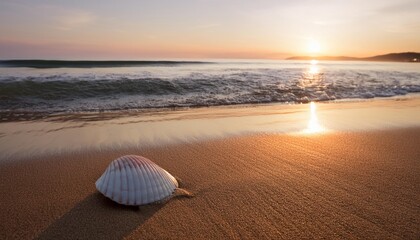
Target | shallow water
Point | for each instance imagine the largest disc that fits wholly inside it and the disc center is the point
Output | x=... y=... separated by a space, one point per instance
x=116 y=130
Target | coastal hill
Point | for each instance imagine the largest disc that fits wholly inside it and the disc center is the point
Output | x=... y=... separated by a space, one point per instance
x=391 y=57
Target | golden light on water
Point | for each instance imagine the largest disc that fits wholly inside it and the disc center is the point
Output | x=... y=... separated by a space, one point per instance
x=313 y=69
x=314 y=62
x=313 y=124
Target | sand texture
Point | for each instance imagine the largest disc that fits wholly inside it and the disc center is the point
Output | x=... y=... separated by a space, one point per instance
x=359 y=185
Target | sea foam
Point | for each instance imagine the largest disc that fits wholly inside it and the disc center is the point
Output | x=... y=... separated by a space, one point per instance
x=189 y=84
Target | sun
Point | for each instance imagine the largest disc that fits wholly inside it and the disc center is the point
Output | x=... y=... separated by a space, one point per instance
x=314 y=46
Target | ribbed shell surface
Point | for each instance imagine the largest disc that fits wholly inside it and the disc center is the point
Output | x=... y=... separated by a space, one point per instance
x=135 y=180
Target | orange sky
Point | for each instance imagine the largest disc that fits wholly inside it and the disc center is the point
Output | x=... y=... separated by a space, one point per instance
x=206 y=28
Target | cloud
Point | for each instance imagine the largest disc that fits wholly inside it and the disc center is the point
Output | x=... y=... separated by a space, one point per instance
x=65 y=18
x=72 y=19
x=45 y=16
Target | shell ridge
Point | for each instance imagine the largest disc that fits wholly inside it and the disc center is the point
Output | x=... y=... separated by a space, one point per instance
x=152 y=180
x=130 y=181
x=168 y=187
x=142 y=197
x=139 y=182
x=103 y=186
x=141 y=194
x=165 y=188
x=160 y=187
x=99 y=182
x=124 y=181
x=170 y=178
x=132 y=190
x=118 y=184
x=111 y=180
x=150 y=185
x=107 y=179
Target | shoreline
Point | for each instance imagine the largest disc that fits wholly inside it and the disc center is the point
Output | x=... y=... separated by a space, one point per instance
x=82 y=132
x=23 y=116
x=333 y=185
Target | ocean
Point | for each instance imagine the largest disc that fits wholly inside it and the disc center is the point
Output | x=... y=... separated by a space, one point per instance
x=46 y=87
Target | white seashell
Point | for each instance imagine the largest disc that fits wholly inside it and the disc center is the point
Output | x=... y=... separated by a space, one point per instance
x=135 y=180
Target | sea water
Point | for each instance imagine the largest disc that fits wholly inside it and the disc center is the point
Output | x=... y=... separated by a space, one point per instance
x=47 y=87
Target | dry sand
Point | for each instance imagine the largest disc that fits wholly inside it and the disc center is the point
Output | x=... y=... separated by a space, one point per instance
x=341 y=185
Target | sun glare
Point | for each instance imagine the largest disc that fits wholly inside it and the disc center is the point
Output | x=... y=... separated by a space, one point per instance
x=313 y=69
x=313 y=124
x=314 y=46
x=314 y=62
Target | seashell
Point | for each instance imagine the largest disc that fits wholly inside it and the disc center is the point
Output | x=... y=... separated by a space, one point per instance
x=135 y=180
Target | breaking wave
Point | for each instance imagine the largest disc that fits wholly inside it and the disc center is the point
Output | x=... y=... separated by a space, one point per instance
x=195 y=85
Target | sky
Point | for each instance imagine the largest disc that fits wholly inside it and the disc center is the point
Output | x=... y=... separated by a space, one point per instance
x=201 y=29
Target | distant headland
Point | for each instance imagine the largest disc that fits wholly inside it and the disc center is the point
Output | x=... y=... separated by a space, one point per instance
x=391 y=57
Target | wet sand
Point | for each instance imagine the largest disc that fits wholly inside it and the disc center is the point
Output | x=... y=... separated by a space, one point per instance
x=66 y=133
x=362 y=184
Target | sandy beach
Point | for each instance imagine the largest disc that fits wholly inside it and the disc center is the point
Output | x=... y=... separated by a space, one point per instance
x=339 y=185
x=266 y=120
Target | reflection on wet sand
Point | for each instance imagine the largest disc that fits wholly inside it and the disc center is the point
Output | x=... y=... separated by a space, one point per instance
x=313 y=124
x=111 y=131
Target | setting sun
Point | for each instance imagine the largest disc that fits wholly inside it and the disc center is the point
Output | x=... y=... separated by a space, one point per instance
x=314 y=46
x=269 y=30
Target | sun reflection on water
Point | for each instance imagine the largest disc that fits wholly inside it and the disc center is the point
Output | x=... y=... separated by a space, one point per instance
x=312 y=78
x=314 y=62
x=313 y=124
x=313 y=69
